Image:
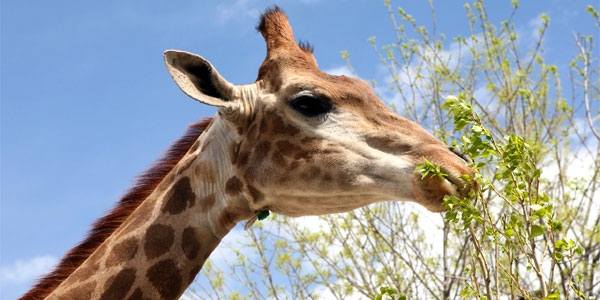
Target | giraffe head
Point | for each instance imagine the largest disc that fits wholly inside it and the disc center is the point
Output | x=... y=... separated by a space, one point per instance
x=308 y=143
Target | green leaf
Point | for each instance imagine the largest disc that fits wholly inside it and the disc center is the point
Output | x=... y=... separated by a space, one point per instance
x=552 y=296
x=345 y=54
x=537 y=230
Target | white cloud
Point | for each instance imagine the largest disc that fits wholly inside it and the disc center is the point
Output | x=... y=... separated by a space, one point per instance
x=311 y=224
x=341 y=70
x=535 y=24
x=486 y=99
x=228 y=11
x=240 y=8
x=23 y=271
x=576 y=167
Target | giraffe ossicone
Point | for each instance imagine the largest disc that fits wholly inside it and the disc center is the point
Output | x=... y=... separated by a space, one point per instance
x=297 y=141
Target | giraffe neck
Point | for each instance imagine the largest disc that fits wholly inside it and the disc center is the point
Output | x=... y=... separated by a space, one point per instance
x=158 y=250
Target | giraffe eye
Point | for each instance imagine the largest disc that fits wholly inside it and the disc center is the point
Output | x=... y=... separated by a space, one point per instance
x=310 y=105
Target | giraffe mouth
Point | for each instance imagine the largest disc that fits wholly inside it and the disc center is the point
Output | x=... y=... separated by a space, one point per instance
x=431 y=190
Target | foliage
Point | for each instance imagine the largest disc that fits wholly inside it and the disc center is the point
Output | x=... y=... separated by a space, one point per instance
x=531 y=231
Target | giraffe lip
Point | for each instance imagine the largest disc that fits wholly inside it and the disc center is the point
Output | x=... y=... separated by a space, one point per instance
x=460 y=186
x=432 y=189
x=455 y=183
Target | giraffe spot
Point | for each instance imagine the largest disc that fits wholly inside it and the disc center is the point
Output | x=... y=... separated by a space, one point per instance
x=207 y=242
x=234 y=153
x=83 y=273
x=305 y=155
x=230 y=216
x=207 y=202
x=281 y=127
x=122 y=252
x=257 y=195
x=203 y=173
x=263 y=147
x=243 y=158
x=158 y=240
x=166 y=278
x=119 y=285
x=314 y=172
x=178 y=197
x=286 y=148
x=240 y=130
x=330 y=150
x=309 y=152
x=233 y=186
x=90 y=267
x=344 y=180
x=283 y=179
x=309 y=141
x=285 y=151
x=82 y=292
x=294 y=165
x=138 y=295
x=278 y=159
x=262 y=151
x=189 y=243
x=265 y=72
x=252 y=132
x=264 y=125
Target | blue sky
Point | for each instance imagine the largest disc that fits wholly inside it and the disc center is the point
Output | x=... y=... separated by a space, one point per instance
x=86 y=103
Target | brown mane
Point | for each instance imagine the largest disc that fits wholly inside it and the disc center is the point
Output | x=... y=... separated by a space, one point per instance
x=106 y=225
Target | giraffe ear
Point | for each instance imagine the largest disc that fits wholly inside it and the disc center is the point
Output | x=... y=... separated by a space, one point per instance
x=197 y=78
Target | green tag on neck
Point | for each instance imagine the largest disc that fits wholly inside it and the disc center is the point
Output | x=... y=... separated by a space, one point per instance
x=263 y=215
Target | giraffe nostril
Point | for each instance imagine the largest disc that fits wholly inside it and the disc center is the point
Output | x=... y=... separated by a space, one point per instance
x=461 y=155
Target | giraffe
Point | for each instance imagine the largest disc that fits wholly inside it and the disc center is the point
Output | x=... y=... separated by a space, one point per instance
x=297 y=142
